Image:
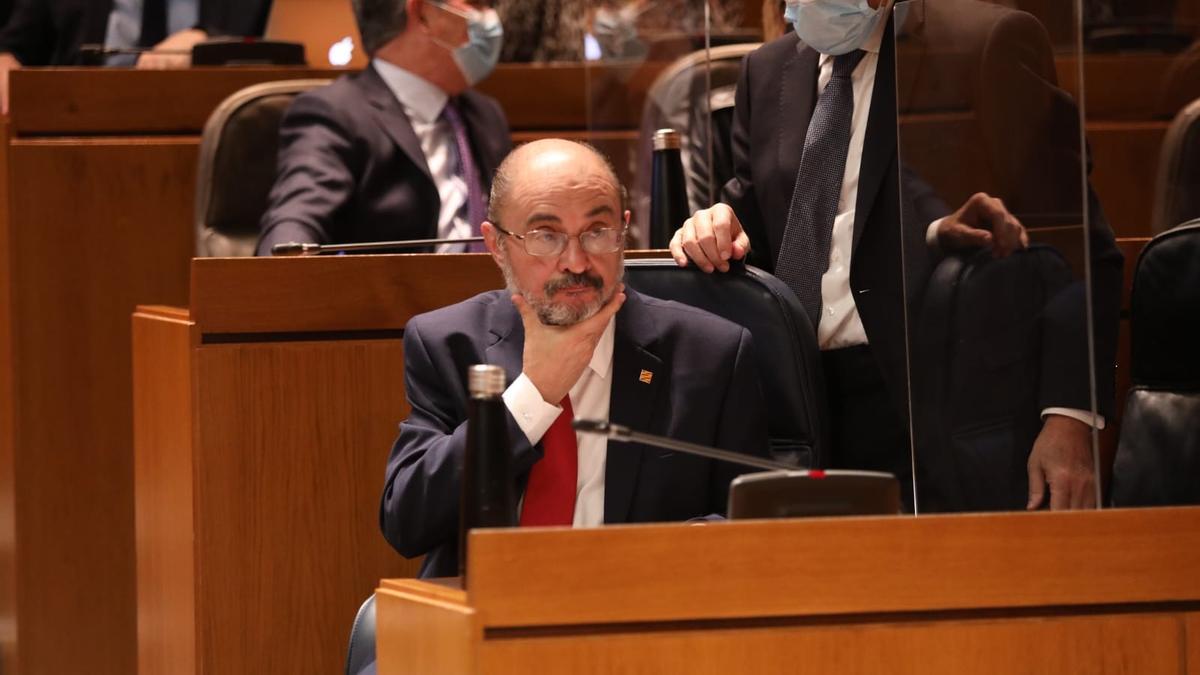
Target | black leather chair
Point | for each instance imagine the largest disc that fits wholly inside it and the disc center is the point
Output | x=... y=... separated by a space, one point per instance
x=1158 y=455
x=236 y=168
x=978 y=350
x=785 y=345
x=362 y=638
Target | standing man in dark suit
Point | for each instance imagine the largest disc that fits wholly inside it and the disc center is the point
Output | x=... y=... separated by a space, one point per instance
x=573 y=342
x=404 y=149
x=820 y=199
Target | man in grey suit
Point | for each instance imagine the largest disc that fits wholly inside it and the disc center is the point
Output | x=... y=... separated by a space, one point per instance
x=402 y=150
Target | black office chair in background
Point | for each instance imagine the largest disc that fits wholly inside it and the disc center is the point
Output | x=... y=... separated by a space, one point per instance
x=1158 y=455
x=236 y=168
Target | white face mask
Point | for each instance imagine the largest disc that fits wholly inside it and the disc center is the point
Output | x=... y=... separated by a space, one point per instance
x=477 y=57
x=832 y=27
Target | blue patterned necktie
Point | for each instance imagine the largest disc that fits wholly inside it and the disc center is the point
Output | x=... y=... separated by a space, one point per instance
x=475 y=206
x=804 y=253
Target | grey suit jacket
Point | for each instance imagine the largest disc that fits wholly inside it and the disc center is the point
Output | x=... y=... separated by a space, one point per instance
x=351 y=169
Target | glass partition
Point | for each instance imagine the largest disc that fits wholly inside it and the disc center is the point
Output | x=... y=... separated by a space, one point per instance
x=651 y=64
x=1002 y=242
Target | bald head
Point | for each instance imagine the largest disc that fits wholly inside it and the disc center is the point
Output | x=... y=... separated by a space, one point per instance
x=549 y=163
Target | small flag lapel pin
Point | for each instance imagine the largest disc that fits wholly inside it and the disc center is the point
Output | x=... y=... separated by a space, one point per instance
x=645 y=377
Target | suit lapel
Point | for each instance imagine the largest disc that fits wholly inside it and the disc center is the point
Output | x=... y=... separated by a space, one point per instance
x=797 y=98
x=631 y=403
x=880 y=146
x=506 y=337
x=391 y=117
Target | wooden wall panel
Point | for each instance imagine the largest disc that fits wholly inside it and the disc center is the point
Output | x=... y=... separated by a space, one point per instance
x=96 y=227
x=8 y=516
x=162 y=419
x=1108 y=645
x=81 y=101
x=1125 y=156
x=1191 y=625
x=290 y=463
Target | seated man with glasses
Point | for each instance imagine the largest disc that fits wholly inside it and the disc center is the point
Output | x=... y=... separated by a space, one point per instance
x=573 y=341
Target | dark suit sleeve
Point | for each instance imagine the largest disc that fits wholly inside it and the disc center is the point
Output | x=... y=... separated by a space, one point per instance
x=739 y=191
x=315 y=175
x=743 y=425
x=29 y=34
x=420 y=505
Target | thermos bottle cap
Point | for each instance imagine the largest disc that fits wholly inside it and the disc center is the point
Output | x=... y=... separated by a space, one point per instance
x=666 y=139
x=485 y=380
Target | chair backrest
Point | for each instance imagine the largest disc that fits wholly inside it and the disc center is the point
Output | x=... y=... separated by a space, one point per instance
x=785 y=345
x=671 y=102
x=1158 y=455
x=1175 y=196
x=237 y=165
x=977 y=351
x=361 y=651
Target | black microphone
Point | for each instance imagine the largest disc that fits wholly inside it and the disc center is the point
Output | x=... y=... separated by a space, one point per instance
x=295 y=248
x=784 y=491
x=618 y=432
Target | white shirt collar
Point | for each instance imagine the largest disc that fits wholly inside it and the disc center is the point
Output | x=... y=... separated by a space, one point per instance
x=601 y=363
x=419 y=97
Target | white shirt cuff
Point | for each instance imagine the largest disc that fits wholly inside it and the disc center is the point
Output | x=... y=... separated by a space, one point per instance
x=1082 y=415
x=529 y=409
x=931 y=233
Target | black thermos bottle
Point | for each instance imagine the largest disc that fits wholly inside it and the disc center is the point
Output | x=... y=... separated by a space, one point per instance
x=487 y=482
x=668 y=191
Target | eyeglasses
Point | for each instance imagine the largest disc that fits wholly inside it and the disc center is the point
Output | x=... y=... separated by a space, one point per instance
x=547 y=243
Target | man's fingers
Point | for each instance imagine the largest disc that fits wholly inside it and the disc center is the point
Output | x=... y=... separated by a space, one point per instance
x=741 y=246
x=706 y=238
x=963 y=236
x=1037 y=486
x=676 y=247
x=1060 y=491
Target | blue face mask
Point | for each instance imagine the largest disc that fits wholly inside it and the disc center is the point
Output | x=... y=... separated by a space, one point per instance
x=832 y=27
x=477 y=57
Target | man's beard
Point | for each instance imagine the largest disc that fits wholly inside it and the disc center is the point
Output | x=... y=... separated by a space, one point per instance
x=560 y=313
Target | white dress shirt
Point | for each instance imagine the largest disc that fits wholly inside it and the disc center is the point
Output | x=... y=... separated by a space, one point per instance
x=423 y=102
x=589 y=399
x=840 y=325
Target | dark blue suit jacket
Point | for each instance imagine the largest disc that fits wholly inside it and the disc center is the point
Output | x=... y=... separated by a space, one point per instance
x=351 y=168
x=704 y=390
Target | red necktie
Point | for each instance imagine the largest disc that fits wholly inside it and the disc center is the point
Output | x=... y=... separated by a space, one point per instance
x=550 y=494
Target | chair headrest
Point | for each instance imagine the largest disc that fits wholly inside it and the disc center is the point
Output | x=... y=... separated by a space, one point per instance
x=1165 y=310
x=785 y=343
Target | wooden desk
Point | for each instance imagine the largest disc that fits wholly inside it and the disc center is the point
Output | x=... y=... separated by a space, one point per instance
x=262 y=422
x=97 y=172
x=1086 y=592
